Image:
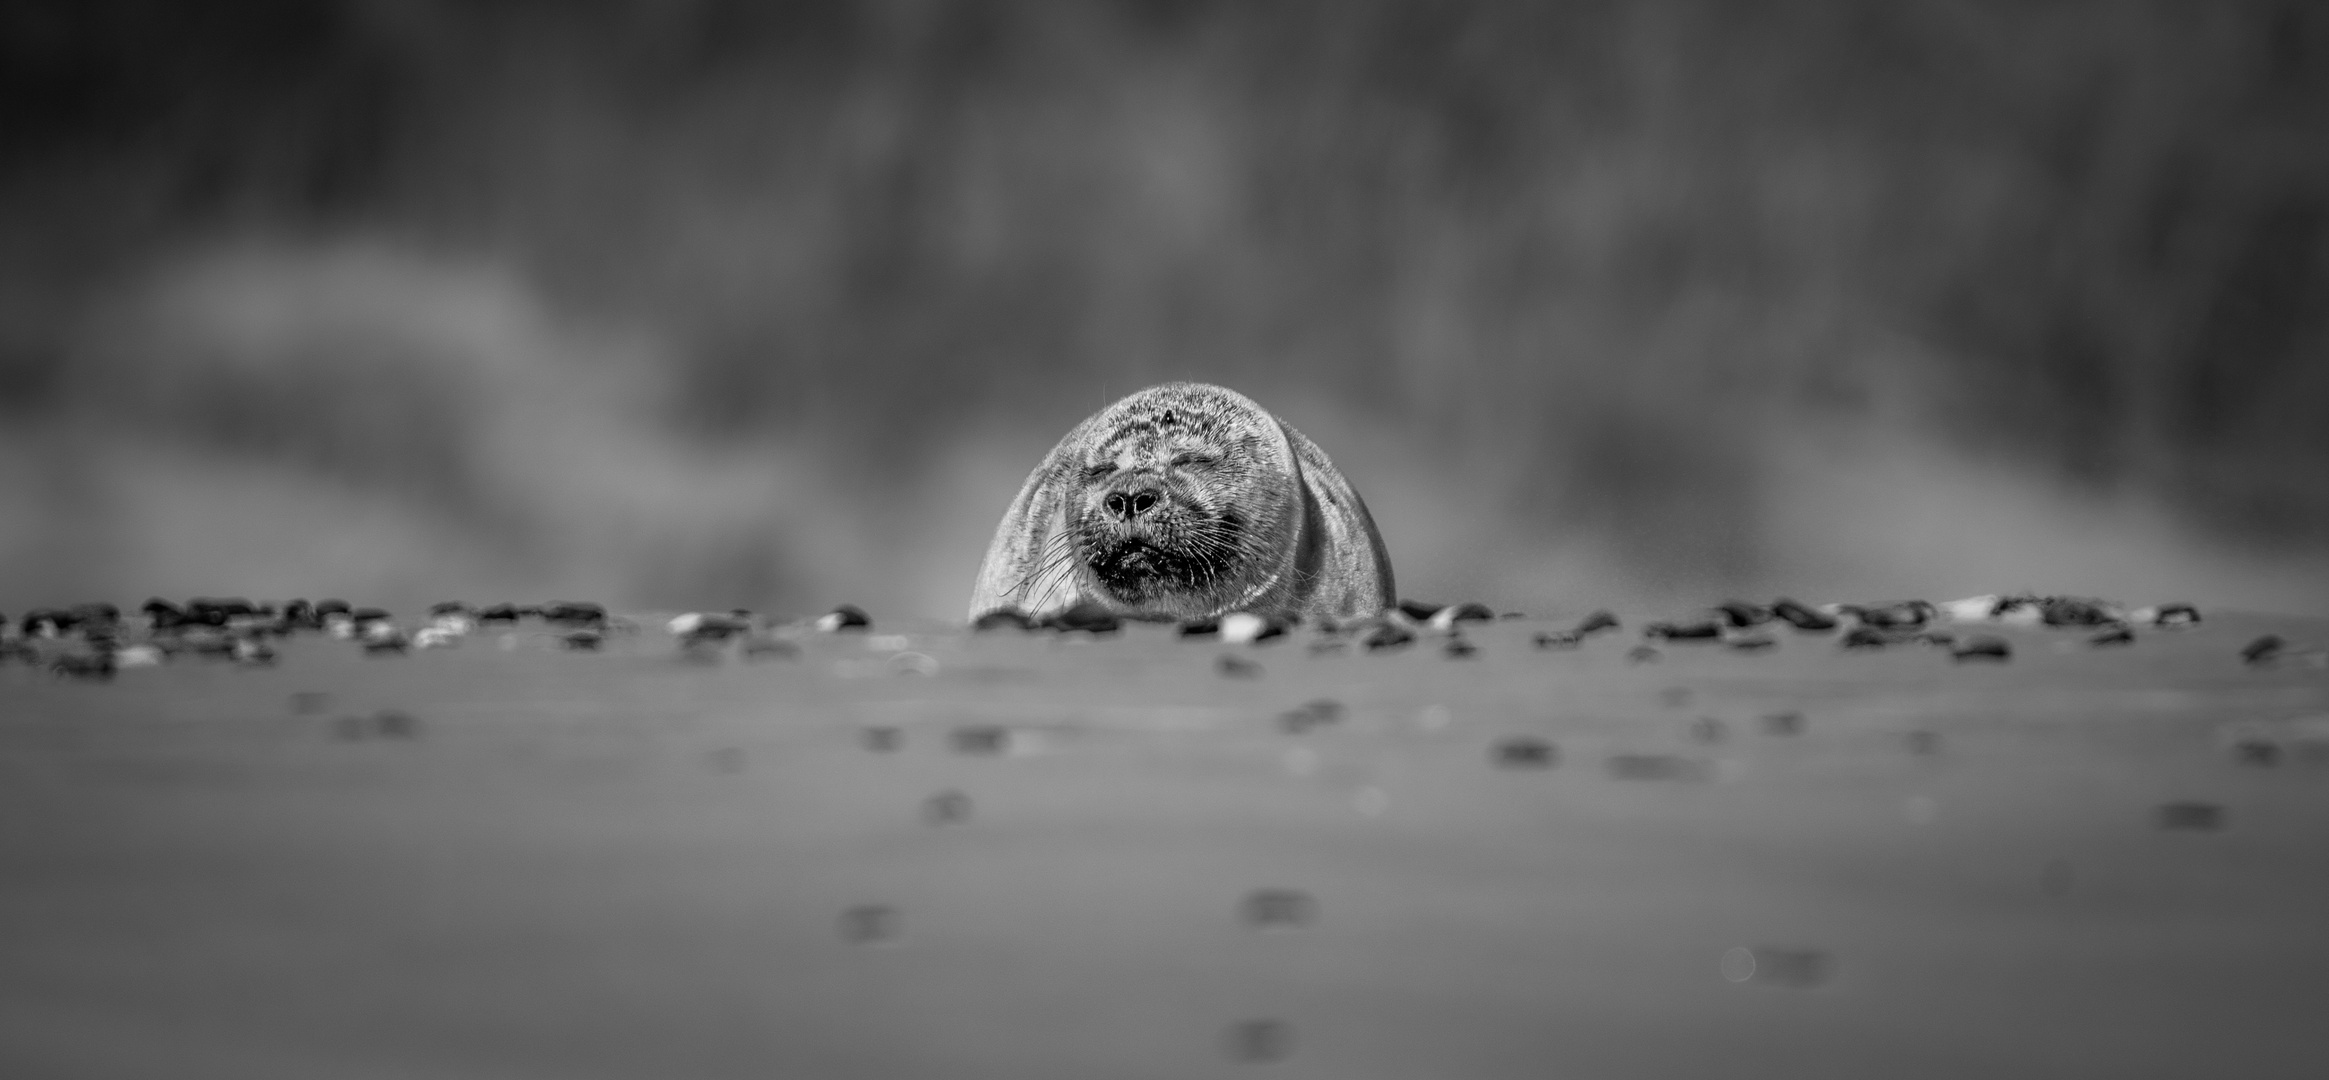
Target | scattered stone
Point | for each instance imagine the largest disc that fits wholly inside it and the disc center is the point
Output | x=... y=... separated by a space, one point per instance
x=251 y=652
x=1526 y=752
x=2263 y=650
x=1459 y=649
x=1650 y=767
x=436 y=637
x=498 y=613
x=1642 y=654
x=1751 y=642
x=2191 y=817
x=2077 y=611
x=585 y=640
x=2175 y=615
x=1801 y=616
x=1206 y=627
x=1597 y=622
x=91 y=667
x=870 y=924
x=130 y=656
x=1003 y=618
x=946 y=808
x=1864 y=637
x=1707 y=729
x=1245 y=628
x=1260 y=1040
x=709 y=626
x=1901 y=615
x=882 y=740
x=980 y=739
x=1794 y=969
x=1559 y=639
x=1313 y=714
x=1783 y=723
x=1236 y=667
x=844 y=617
x=2117 y=636
x=1418 y=610
x=1087 y=616
x=573 y=613
x=1706 y=630
x=1280 y=907
x=1445 y=619
x=1741 y=615
x=1983 y=648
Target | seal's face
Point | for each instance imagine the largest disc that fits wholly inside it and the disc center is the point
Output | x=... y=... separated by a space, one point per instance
x=1165 y=522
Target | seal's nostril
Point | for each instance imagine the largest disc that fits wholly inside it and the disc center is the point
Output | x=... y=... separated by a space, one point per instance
x=1142 y=501
x=1117 y=505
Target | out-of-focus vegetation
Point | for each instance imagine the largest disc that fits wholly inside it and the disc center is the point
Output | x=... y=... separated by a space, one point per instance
x=696 y=301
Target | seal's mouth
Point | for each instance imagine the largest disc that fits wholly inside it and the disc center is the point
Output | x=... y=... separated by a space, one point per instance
x=1182 y=559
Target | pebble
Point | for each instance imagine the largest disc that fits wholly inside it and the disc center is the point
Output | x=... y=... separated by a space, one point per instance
x=1794 y=969
x=1707 y=729
x=1597 y=622
x=1985 y=648
x=1003 y=618
x=1459 y=649
x=93 y=667
x=1751 y=642
x=1313 y=714
x=1741 y=614
x=980 y=739
x=1862 y=637
x=574 y=613
x=1642 y=654
x=1236 y=667
x=1801 y=616
x=582 y=640
x=1387 y=635
x=1418 y=610
x=1086 y=616
x=2263 y=650
x=2174 y=615
x=436 y=637
x=844 y=617
x=1445 y=619
x=2118 y=636
x=2191 y=817
x=1260 y=1040
x=870 y=924
x=1245 y=628
x=1708 y=630
x=1559 y=639
x=1526 y=752
x=1206 y=627
x=138 y=656
x=1280 y=907
x=946 y=808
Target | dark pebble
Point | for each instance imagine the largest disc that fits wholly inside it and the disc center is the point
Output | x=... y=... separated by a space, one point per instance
x=1707 y=630
x=870 y=924
x=1387 y=636
x=394 y=724
x=2263 y=650
x=1459 y=649
x=574 y=613
x=583 y=640
x=1904 y=615
x=846 y=617
x=1418 y=610
x=1650 y=767
x=1642 y=654
x=94 y=667
x=1260 y=1040
x=1236 y=667
x=946 y=808
x=1801 y=616
x=1559 y=639
x=1471 y=612
x=1280 y=907
x=2074 y=611
x=443 y=608
x=1740 y=614
x=1526 y=752
x=2175 y=615
x=2256 y=752
x=1752 y=642
x=980 y=739
x=1862 y=637
x=1985 y=648
x=1783 y=723
x=498 y=613
x=2120 y=636
x=882 y=740
x=1596 y=623
x=332 y=607
x=1302 y=718
x=2191 y=817
x=363 y=615
x=1206 y=627
x=1003 y=618
x=1707 y=729
x=1086 y=616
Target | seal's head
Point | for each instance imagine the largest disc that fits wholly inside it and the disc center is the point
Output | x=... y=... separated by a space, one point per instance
x=1181 y=492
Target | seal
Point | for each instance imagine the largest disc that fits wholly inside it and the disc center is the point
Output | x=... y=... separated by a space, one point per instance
x=1186 y=501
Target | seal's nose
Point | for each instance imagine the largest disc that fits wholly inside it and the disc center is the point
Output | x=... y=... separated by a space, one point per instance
x=1127 y=505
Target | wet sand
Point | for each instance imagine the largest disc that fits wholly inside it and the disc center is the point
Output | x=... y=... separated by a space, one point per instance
x=1024 y=856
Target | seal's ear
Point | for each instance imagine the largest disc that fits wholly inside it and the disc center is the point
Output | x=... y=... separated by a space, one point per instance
x=1024 y=559
x=1362 y=574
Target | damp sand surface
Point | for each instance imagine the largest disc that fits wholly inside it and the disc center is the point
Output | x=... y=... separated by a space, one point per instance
x=935 y=854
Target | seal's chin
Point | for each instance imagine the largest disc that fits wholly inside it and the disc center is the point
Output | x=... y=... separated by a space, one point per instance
x=1140 y=572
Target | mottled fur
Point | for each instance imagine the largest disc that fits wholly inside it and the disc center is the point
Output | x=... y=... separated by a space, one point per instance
x=1243 y=513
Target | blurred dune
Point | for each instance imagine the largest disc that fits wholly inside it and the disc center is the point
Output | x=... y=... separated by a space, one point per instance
x=723 y=303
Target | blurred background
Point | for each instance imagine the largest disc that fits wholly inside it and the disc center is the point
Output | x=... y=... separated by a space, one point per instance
x=709 y=302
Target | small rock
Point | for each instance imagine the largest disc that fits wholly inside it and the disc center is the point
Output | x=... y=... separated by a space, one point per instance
x=870 y=924
x=1003 y=618
x=2191 y=817
x=1445 y=619
x=1596 y=622
x=844 y=617
x=1526 y=752
x=946 y=808
x=395 y=724
x=1801 y=617
x=574 y=613
x=1459 y=649
x=1260 y=1040
x=1236 y=667
x=1984 y=648
x=1245 y=628
x=582 y=640
x=1386 y=635
x=1741 y=615
x=1642 y=654
x=2118 y=636
x=1708 y=630
x=1205 y=627
x=2175 y=615
x=1863 y=637
x=1418 y=610
x=1086 y=616
x=2263 y=650
x=1280 y=907
x=1783 y=723
x=1751 y=642
x=980 y=739
x=130 y=656
x=1558 y=639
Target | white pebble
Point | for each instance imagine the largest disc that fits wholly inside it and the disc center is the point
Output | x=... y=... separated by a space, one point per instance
x=1242 y=628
